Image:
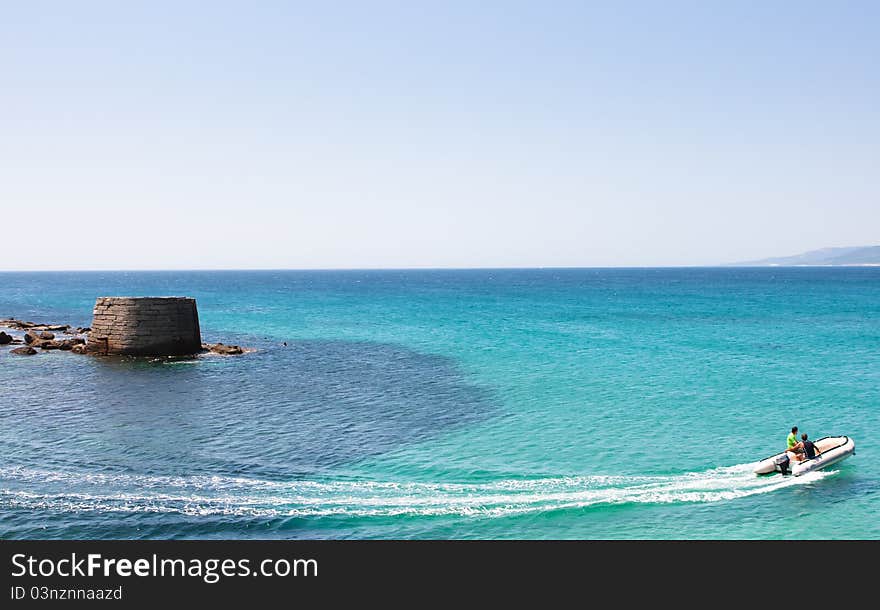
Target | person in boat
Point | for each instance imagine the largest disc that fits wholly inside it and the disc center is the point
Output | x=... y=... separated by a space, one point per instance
x=807 y=449
x=792 y=443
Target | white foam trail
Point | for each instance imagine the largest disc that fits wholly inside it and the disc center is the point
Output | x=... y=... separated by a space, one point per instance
x=240 y=496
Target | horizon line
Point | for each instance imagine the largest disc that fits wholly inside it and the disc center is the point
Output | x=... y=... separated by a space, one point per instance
x=439 y=268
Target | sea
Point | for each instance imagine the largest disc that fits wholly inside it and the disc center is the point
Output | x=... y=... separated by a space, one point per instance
x=450 y=404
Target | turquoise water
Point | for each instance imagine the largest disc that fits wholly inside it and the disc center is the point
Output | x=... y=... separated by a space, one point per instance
x=576 y=403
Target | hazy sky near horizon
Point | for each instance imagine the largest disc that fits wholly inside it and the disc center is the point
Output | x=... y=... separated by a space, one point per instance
x=435 y=134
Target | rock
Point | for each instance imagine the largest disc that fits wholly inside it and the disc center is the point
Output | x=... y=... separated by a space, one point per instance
x=226 y=350
x=4 y=338
x=69 y=344
x=47 y=335
x=23 y=351
x=11 y=323
x=22 y=325
x=17 y=324
x=30 y=336
x=79 y=348
x=45 y=343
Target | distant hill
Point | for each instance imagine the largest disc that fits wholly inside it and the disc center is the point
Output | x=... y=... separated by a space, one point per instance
x=860 y=255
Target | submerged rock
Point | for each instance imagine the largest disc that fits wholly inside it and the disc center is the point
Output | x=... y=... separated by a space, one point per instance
x=79 y=348
x=23 y=351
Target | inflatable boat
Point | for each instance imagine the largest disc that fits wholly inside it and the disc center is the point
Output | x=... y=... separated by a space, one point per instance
x=832 y=449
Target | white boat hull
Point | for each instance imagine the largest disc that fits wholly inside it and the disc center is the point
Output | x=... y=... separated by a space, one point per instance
x=832 y=448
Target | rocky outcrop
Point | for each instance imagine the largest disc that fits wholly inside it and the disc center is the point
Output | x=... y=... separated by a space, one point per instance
x=69 y=344
x=43 y=340
x=27 y=350
x=39 y=336
x=16 y=324
x=22 y=325
x=220 y=348
x=148 y=322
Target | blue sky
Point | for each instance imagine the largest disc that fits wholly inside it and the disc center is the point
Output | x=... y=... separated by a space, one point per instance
x=445 y=134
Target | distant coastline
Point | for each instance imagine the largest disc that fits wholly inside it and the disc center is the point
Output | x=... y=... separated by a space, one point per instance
x=853 y=256
x=804 y=265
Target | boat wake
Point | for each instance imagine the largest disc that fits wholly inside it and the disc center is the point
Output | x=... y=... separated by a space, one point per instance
x=34 y=489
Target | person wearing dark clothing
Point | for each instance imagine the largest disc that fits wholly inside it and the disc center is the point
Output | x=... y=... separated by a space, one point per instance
x=809 y=447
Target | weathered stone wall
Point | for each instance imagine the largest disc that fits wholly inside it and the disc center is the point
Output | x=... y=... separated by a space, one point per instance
x=145 y=326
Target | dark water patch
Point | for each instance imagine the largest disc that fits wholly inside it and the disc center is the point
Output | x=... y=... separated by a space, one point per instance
x=305 y=409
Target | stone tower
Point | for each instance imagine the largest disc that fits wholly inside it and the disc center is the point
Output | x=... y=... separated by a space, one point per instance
x=145 y=326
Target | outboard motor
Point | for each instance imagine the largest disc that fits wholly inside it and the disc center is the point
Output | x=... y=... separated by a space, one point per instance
x=783 y=464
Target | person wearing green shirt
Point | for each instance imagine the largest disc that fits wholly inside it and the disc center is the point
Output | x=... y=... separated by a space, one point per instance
x=791 y=442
